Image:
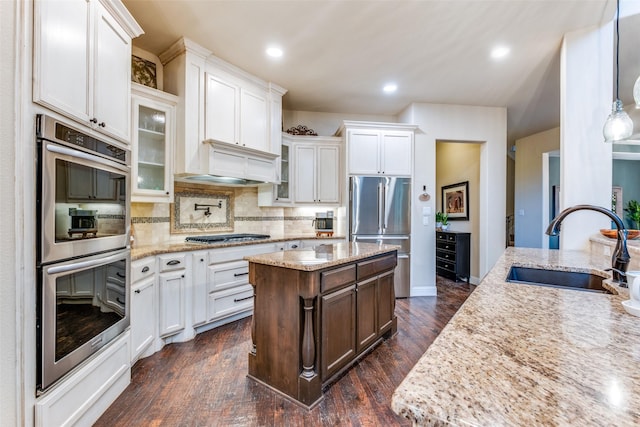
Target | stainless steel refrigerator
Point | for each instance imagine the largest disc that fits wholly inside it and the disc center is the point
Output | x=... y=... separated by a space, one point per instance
x=380 y=212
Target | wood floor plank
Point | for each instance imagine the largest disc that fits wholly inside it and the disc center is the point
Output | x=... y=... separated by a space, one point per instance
x=203 y=382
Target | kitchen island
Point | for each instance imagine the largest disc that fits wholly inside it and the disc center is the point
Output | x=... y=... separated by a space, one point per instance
x=316 y=312
x=522 y=355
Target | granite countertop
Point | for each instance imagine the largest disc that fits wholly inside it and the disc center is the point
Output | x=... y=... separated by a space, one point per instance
x=322 y=257
x=522 y=355
x=142 y=251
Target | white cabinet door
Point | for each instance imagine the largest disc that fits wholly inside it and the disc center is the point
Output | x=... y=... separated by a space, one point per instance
x=112 y=76
x=82 y=65
x=221 y=110
x=62 y=56
x=152 y=145
x=328 y=174
x=254 y=132
x=397 y=153
x=305 y=175
x=200 y=261
x=172 y=302
x=364 y=152
x=143 y=316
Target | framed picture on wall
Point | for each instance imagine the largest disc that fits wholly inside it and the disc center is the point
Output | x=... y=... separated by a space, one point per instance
x=455 y=201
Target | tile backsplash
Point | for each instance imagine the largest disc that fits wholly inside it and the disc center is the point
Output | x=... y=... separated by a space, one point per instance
x=152 y=222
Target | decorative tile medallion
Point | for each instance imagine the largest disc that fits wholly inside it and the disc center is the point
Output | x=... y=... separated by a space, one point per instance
x=194 y=211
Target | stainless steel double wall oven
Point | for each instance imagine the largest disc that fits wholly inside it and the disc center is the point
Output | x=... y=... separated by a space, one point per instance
x=83 y=257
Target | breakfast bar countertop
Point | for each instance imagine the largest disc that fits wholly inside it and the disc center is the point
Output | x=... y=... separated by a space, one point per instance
x=517 y=354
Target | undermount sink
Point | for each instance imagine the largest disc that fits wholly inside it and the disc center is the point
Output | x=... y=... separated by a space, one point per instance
x=557 y=279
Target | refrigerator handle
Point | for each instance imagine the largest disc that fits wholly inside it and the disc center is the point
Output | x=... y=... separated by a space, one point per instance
x=384 y=206
x=380 y=207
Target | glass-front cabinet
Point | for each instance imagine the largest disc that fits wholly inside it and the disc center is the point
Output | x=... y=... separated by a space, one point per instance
x=153 y=133
x=283 y=190
x=279 y=194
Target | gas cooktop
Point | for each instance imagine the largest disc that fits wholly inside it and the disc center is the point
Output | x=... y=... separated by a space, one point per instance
x=226 y=238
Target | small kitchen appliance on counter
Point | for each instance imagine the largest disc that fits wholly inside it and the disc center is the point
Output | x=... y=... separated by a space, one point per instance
x=324 y=223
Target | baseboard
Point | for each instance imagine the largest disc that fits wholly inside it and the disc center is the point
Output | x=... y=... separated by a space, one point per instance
x=424 y=291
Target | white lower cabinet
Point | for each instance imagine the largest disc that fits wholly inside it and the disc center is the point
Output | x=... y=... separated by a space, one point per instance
x=172 y=287
x=231 y=301
x=144 y=307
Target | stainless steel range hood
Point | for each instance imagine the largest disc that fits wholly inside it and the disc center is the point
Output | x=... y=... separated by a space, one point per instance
x=219 y=180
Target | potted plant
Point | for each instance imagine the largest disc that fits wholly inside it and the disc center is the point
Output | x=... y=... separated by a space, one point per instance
x=442 y=221
x=633 y=213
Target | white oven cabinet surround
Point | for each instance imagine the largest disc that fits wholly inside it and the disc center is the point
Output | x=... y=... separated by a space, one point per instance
x=89 y=390
x=222 y=103
x=152 y=144
x=379 y=148
x=82 y=62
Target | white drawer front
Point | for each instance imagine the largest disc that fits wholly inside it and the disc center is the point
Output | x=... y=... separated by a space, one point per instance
x=143 y=268
x=172 y=262
x=229 y=302
x=227 y=275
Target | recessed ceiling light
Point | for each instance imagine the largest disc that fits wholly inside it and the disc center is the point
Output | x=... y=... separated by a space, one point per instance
x=500 y=52
x=274 y=52
x=390 y=88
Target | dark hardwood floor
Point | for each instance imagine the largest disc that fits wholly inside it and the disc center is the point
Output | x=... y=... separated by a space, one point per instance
x=203 y=382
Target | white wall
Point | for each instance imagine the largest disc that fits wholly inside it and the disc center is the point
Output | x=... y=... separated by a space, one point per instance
x=529 y=186
x=585 y=102
x=9 y=367
x=457 y=123
x=326 y=124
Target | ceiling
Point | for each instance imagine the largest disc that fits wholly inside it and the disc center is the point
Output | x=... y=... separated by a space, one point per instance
x=339 y=54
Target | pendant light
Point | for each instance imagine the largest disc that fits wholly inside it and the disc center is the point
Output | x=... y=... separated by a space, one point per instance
x=618 y=125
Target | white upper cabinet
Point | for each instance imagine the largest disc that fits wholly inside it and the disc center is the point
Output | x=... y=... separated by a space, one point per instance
x=317 y=174
x=236 y=113
x=153 y=140
x=225 y=107
x=82 y=62
x=379 y=148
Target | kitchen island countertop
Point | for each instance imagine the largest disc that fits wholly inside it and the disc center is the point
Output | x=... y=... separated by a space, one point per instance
x=518 y=354
x=321 y=257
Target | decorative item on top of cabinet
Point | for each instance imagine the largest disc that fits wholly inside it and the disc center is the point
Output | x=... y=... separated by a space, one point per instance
x=379 y=148
x=301 y=130
x=453 y=251
x=85 y=73
x=152 y=145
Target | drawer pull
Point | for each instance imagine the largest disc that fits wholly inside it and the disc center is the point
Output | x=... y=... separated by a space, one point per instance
x=173 y=262
x=137 y=291
x=240 y=274
x=120 y=275
x=242 y=299
x=145 y=269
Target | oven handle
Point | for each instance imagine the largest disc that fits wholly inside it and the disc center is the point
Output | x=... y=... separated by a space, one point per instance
x=54 y=148
x=84 y=264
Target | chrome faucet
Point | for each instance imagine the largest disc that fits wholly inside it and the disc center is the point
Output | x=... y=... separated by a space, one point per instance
x=620 y=258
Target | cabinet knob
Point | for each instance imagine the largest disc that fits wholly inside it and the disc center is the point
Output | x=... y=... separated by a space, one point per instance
x=137 y=291
x=201 y=259
x=182 y=276
x=102 y=124
x=167 y=193
x=94 y=120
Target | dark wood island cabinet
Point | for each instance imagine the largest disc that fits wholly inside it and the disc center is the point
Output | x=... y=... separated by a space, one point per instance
x=316 y=312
